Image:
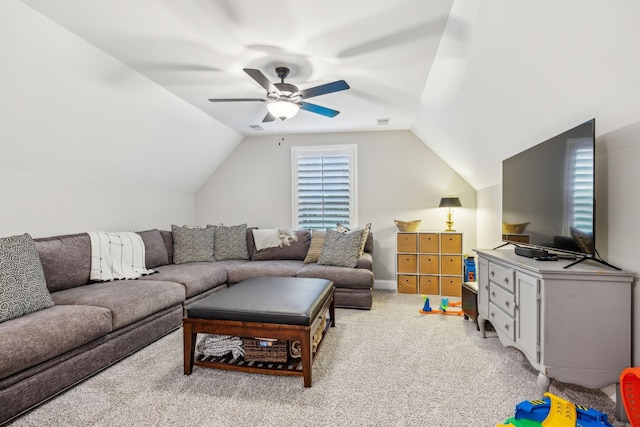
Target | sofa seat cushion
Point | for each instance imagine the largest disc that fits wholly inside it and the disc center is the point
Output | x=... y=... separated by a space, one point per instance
x=249 y=270
x=344 y=277
x=128 y=300
x=37 y=337
x=196 y=277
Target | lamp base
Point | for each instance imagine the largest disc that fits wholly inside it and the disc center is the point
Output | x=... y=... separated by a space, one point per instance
x=449 y=222
x=449 y=231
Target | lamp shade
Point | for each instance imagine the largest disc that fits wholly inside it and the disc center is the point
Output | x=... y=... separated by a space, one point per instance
x=283 y=109
x=450 y=202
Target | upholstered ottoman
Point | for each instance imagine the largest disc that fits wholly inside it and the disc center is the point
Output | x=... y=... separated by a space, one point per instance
x=283 y=308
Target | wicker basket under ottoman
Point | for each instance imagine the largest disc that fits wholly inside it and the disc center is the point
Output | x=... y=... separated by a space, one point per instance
x=265 y=350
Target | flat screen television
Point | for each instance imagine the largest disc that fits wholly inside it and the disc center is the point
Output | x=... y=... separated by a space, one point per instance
x=551 y=188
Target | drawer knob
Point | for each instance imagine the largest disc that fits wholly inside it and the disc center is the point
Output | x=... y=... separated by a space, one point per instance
x=493 y=314
x=493 y=294
x=506 y=279
x=492 y=273
x=506 y=304
x=506 y=326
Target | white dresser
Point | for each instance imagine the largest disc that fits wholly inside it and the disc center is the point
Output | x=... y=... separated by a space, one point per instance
x=573 y=324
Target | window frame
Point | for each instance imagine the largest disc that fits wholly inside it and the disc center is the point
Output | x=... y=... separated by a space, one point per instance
x=349 y=150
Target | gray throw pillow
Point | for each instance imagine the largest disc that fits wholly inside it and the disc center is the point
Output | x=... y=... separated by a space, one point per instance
x=231 y=242
x=193 y=244
x=367 y=229
x=339 y=249
x=23 y=288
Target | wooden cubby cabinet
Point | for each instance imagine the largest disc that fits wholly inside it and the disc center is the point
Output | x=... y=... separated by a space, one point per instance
x=429 y=262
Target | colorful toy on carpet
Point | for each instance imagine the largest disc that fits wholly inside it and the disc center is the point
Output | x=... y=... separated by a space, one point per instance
x=553 y=411
x=444 y=307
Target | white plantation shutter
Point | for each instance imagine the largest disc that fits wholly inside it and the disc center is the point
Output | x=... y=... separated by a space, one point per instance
x=582 y=189
x=323 y=182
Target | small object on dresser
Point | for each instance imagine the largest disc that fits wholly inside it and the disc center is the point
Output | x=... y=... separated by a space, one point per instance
x=514 y=228
x=407 y=225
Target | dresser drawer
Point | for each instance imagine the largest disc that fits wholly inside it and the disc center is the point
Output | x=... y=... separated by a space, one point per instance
x=451 y=243
x=502 y=321
x=503 y=299
x=451 y=286
x=429 y=243
x=407 y=242
x=429 y=264
x=407 y=284
x=451 y=264
x=429 y=285
x=407 y=263
x=502 y=276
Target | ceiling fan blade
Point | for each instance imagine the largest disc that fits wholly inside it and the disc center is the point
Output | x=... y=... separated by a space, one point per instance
x=236 y=99
x=261 y=79
x=324 y=89
x=268 y=118
x=318 y=109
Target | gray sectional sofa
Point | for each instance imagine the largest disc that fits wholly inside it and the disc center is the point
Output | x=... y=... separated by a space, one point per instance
x=93 y=325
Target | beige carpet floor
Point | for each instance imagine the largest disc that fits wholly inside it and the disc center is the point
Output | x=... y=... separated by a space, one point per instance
x=390 y=366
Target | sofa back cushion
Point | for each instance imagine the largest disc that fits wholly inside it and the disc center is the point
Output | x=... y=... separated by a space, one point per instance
x=167 y=237
x=297 y=250
x=66 y=260
x=155 y=251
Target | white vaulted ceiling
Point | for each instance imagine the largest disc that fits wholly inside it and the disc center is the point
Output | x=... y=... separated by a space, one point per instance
x=477 y=81
x=197 y=50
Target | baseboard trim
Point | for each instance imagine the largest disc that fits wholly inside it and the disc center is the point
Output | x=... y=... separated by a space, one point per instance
x=385 y=285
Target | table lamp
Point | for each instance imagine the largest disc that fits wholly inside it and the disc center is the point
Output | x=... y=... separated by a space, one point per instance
x=449 y=202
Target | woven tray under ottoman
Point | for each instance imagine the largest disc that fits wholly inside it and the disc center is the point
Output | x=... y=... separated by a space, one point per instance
x=265 y=350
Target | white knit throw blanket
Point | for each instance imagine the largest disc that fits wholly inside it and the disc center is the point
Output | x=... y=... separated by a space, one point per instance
x=273 y=237
x=117 y=256
x=219 y=345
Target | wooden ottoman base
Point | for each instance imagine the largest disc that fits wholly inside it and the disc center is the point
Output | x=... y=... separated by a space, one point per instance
x=289 y=332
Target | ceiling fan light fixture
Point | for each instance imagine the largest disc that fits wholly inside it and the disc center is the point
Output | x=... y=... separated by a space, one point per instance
x=283 y=109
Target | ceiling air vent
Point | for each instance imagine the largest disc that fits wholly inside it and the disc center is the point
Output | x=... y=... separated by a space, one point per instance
x=382 y=122
x=256 y=127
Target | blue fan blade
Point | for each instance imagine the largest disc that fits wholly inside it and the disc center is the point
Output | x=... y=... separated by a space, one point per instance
x=318 y=109
x=324 y=89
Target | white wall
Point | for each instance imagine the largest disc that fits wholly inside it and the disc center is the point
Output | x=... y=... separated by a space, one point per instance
x=622 y=177
x=45 y=205
x=489 y=216
x=87 y=143
x=398 y=178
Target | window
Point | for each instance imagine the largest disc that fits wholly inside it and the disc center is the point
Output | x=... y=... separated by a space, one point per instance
x=581 y=185
x=324 y=183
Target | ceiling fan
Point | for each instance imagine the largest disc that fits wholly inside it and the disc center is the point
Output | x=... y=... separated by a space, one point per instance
x=284 y=99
